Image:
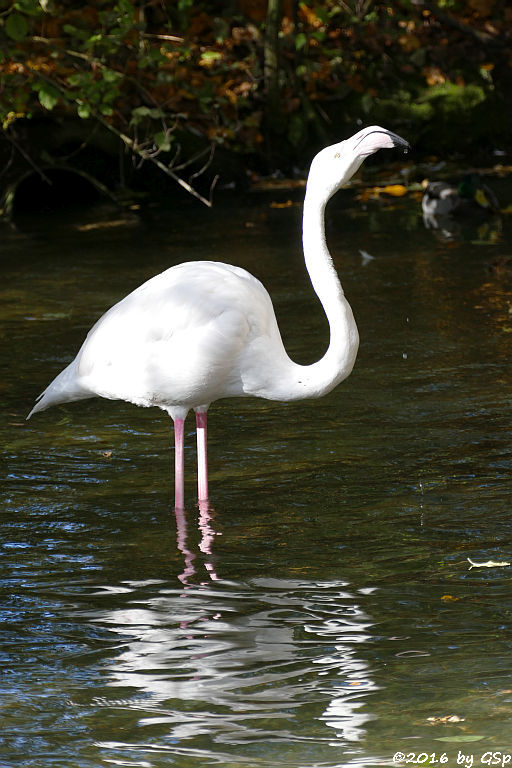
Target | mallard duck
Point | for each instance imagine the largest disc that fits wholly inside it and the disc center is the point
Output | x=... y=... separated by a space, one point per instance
x=470 y=196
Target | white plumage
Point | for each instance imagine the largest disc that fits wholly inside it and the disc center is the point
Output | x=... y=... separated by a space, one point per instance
x=205 y=330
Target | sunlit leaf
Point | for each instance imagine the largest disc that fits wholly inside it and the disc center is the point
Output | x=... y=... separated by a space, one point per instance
x=83 y=111
x=300 y=41
x=461 y=738
x=139 y=113
x=111 y=76
x=211 y=55
x=48 y=96
x=163 y=141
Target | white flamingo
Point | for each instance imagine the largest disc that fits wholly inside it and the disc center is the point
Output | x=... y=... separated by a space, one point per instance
x=205 y=330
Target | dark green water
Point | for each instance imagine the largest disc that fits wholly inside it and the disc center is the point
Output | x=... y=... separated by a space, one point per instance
x=322 y=609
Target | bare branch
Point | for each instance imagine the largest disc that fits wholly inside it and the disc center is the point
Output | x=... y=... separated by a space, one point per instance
x=131 y=145
x=171 y=38
x=128 y=142
x=451 y=21
x=206 y=165
x=27 y=157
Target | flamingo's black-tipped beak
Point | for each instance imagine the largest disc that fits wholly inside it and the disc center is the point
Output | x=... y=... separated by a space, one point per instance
x=399 y=143
x=371 y=139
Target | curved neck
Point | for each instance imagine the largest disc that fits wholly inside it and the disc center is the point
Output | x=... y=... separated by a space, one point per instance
x=317 y=258
x=322 y=376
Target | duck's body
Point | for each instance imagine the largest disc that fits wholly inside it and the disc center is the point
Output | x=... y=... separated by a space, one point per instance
x=205 y=330
x=470 y=196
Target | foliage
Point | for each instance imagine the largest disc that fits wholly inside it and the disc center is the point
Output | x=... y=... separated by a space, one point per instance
x=151 y=72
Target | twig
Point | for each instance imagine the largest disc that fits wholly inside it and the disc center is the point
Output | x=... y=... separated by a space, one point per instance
x=212 y=187
x=93 y=60
x=133 y=147
x=27 y=157
x=195 y=157
x=172 y=38
x=205 y=165
x=128 y=142
x=451 y=21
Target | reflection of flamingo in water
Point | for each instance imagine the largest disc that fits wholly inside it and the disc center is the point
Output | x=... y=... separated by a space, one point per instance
x=201 y=331
x=205 y=545
x=240 y=664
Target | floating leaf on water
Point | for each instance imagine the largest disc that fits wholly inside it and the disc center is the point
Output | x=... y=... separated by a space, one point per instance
x=449 y=598
x=463 y=737
x=395 y=190
x=487 y=564
x=105 y=224
x=366 y=257
x=446 y=719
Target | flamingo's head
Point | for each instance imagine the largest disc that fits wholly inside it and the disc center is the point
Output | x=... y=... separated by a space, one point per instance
x=336 y=164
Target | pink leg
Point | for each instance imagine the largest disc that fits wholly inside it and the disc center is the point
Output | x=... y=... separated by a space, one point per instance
x=202 y=463
x=179 y=475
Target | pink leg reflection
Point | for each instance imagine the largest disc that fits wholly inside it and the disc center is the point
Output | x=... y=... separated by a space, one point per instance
x=208 y=535
x=181 y=541
x=205 y=545
x=202 y=462
x=179 y=469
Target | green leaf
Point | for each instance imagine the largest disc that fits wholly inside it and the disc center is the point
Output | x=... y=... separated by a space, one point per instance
x=211 y=55
x=84 y=111
x=163 y=141
x=367 y=101
x=319 y=35
x=322 y=13
x=31 y=7
x=75 y=79
x=455 y=739
x=93 y=39
x=16 y=26
x=48 y=95
x=300 y=41
x=139 y=113
x=72 y=31
x=111 y=76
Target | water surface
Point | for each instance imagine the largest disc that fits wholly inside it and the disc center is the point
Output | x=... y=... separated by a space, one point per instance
x=321 y=611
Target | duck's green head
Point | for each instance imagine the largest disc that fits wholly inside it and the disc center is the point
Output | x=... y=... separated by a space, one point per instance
x=469 y=186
